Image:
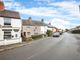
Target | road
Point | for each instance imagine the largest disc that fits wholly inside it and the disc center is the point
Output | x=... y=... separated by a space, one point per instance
x=66 y=47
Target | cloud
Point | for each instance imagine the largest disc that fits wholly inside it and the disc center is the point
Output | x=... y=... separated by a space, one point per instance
x=66 y=10
x=62 y=24
x=43 y=0
x=12 y=5
x=40 y=11
x=71 y=7
x=44 y=11
x=66 y=7
x=62 y=13
x=7 y=0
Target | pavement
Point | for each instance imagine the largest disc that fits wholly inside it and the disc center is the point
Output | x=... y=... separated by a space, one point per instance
x=65 y=47
x=12 y=46
x=77 y=36
x=17 y=45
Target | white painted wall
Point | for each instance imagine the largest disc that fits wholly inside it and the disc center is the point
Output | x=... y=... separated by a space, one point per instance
x=16 y=24
x=1 y=34
x=2 y=42
x=1 y=37
x=44 y=29
x=50 y=29
x=12 y=41
x=1 y=21
x=18 y=34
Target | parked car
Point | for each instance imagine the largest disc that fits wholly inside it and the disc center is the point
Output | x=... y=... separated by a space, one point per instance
x=61 y=33
x=56 y=34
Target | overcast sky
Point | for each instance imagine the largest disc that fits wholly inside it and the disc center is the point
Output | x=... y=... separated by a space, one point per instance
x=61 y=13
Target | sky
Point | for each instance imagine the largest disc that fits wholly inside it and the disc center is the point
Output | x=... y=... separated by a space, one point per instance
x=60 y=13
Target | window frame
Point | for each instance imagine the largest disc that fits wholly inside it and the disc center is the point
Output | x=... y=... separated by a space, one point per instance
x=28 y=33
x=7 y=35
x=7 y=21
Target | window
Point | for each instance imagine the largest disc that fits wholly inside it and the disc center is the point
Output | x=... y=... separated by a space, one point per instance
x=6 y=29
x=7 y=21
x=16 y=35
x=28 y=26
x=28 y=33
x=24 y=33
x=7 y=34
x=36 y=33
x=35 y=27
x=16 y=30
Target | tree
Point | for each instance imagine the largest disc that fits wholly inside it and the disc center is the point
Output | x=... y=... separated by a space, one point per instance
x=49 y=32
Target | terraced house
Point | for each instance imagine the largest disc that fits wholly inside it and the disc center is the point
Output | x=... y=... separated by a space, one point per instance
x=32 y=27
x=10 y=26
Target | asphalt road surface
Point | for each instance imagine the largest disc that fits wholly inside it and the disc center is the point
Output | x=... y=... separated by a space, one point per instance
x=65 y=47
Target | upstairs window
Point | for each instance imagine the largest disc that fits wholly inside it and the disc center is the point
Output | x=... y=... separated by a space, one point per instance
x=28 y=26
x=28 y=33
x=7 y=21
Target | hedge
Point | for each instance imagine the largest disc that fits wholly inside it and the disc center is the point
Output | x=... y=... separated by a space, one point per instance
x=76 y=31
x=36 y=36
x=49 y=33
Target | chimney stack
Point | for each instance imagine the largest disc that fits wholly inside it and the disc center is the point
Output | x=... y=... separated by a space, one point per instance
x=42 y=20
x=49 y=23
x=1 y=6
x=30 y=20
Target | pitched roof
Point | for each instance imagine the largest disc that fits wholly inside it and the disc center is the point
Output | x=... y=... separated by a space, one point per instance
x=33 y=23
x=9 y=14
x=50 y=26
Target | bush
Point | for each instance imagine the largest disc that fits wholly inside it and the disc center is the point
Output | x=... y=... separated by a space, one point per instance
x=29 y=39
x=45 y=35
x=33 y=37
x=76 y=31
x=23 y=38
x=49 y=32
x=26 y=39
x=36 y=36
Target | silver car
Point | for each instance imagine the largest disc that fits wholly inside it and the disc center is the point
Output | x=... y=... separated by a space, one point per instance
x=56 y=34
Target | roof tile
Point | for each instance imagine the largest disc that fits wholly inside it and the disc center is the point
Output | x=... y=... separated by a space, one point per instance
x=9 y=14
x=33 y=23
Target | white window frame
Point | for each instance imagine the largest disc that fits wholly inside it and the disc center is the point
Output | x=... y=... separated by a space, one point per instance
x=7 y=35
x=7 y=21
